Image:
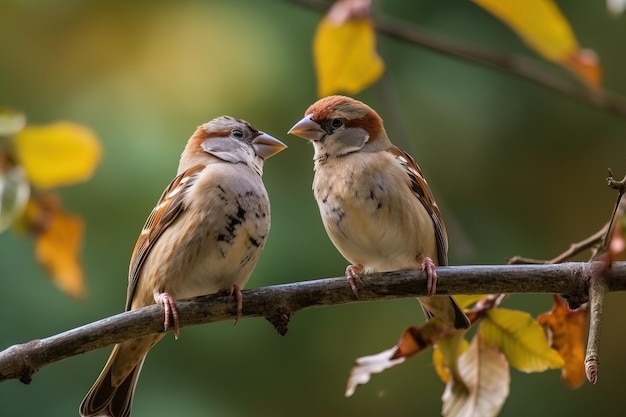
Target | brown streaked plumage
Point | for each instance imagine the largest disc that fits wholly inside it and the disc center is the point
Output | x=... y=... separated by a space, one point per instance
x=205 y=235
x=375 y=203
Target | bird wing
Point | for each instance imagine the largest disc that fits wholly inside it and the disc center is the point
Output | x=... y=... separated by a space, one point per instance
x=424 y=195
x=169 y=207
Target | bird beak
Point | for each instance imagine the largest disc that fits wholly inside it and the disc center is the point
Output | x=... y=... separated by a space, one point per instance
x=307 y=129
x=266 y=146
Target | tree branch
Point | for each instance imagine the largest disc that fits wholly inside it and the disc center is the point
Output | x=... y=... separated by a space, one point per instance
x=277 y=303
x=517 y=65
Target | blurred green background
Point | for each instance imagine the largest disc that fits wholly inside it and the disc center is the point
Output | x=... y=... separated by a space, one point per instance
x=518 y=170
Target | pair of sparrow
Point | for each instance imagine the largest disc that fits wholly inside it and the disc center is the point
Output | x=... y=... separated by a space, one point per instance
x=209 y=227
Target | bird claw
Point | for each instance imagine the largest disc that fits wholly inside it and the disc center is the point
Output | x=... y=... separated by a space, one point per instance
x=235 y=289
x=428 y=266
x=353 y=276
x=169 y=306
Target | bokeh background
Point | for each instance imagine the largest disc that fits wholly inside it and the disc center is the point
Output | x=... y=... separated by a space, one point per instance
x=518 y=169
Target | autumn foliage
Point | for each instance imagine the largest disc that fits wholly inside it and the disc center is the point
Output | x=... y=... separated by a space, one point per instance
x=33 y=161
x=346 y=59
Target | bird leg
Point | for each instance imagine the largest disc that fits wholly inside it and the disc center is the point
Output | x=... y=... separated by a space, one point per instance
x=170 y=310
x=235 y=289
x=353 y=275
x=428 y=266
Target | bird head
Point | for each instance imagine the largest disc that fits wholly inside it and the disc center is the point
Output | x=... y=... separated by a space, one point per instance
x=231 y=140
x=339 y=125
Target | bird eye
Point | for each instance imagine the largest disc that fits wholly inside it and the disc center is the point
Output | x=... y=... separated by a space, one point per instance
x=237 y=133
x=337 y=123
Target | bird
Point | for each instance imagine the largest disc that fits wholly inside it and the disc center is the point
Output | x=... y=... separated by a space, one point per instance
x=375 y=204
x=204 y=235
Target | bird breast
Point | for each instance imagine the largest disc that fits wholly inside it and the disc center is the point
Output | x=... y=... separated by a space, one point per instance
x=225 y=225
x=372 y=220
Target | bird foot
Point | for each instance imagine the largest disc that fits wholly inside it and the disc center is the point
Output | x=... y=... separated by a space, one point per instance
x=169 y=306
x=428 y=266
x=353 y=276
x=235 y=289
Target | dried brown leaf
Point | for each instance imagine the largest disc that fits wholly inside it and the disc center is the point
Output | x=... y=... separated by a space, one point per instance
x=567 y=336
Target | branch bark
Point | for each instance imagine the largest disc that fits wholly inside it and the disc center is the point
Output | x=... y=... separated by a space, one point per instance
x=277 y=303
x=517 y=65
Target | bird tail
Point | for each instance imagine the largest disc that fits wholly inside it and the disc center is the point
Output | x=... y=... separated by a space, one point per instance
x=108 y=399
x=445 y=308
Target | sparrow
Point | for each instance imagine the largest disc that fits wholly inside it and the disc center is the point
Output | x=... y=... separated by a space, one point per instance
x=205 y=235
x=375 y=203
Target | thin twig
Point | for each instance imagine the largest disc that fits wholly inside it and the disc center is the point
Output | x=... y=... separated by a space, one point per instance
x=598 y=284
x=592 y=242
x=279 y=302
x=517 y=65
x=618 y=210
x=620 y=186
x=597 y=242
x=597 y=290
x=573 y=250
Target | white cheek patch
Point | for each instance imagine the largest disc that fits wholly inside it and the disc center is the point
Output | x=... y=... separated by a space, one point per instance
x=352 y=140
x=226 y=149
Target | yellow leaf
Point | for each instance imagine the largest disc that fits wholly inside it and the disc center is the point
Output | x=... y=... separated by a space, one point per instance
x=567 y=329
x=521 y=339
x=57 y=154
x=483 y=385
x=446 y=353
x=345 y=56
x=58 y=240
x=439 y=363
x=466 y=300
x=543 y=27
